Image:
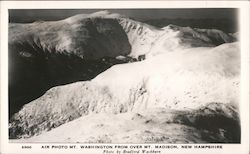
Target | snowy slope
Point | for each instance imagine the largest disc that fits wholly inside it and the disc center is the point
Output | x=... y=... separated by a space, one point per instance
x=191 y=74
x=149 y=126
x=201 y=76
x=196 y=76
x=93 y=36
x=46 y=54
x=88 y=38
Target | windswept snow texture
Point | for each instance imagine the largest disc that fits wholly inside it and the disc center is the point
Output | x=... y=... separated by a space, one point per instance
x=213 y=123
x=185 y=89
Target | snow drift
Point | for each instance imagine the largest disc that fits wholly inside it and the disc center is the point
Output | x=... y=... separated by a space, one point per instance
x=190 y=77
x=212 y=75
x=213 y=123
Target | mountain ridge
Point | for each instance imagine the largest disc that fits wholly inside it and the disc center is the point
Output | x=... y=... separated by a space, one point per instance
x=171 y=68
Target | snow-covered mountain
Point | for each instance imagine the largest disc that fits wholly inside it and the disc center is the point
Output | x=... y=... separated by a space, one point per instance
x=188 y=77
x=103 y=34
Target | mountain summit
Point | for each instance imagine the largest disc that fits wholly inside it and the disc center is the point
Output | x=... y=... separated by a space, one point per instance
x=120 y=80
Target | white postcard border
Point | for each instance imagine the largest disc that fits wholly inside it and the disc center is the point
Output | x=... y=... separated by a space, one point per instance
x=242 y=148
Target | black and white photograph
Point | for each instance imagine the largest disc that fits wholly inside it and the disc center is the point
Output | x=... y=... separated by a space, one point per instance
x=124 y=76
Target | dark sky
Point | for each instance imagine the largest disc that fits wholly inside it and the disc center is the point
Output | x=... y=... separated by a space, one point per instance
x=31 y=15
